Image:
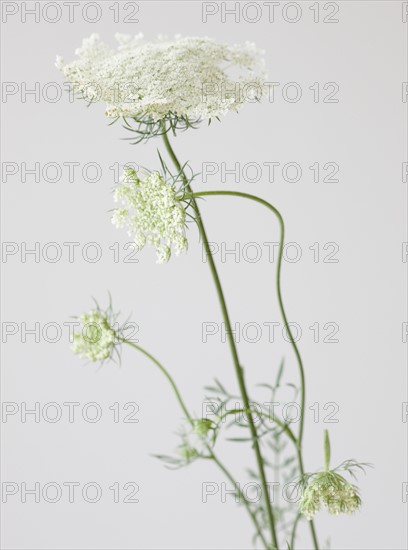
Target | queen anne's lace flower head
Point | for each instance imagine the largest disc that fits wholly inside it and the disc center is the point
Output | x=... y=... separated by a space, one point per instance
x=152 y=213
x=188 y=78
x=96 y=339
x=331 y=490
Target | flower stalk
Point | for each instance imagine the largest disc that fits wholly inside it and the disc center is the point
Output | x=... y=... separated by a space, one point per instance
x=211 y=453
x=283 y=313
x=238 y=369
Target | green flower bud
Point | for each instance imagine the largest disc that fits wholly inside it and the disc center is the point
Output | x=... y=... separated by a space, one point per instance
x=202 y=427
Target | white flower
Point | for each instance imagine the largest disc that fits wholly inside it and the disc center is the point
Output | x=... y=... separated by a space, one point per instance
x=331 y=490
x=97 y=338
x=188 y=77
x=152 y=213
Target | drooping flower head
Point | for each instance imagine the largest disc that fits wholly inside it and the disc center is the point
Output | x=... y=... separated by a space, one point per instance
x=97 y=338
x=332 y=491
x=152 y=212
x=329 y=489
x=188 y=78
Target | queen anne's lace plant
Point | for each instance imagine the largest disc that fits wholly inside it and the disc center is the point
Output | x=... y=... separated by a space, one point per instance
x=96 y=339
x=188 y=77
x=152 y=213
x=157 y=88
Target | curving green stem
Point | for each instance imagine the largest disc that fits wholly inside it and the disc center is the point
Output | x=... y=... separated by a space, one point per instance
x=238 y=369
x=285 y=319
x=278 y=289
x=166 y=374
x=212 y=455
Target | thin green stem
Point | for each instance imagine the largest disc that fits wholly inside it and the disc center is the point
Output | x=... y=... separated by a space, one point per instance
x=293 y=535
x=211 y=453
x=278 y=289
x=283 y=313
x=238 y=369
x=311 y=522
x=242 y=498
x=166 y=374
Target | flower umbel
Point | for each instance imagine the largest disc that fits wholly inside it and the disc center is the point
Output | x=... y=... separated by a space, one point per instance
x=152 y=212
x=331 y=490
x=185 y=78
x=97 y=339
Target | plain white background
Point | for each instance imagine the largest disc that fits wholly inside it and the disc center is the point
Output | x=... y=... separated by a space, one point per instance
x=364 y=293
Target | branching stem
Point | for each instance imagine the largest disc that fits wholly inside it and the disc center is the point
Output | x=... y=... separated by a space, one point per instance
x=285 y=319
x=238 y=369
x=210 y=451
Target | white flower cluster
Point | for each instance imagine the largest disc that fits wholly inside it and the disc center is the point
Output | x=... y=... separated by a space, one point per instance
x=188 y=77
x=96 y=339
x=331 y=490
x=152 y=213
